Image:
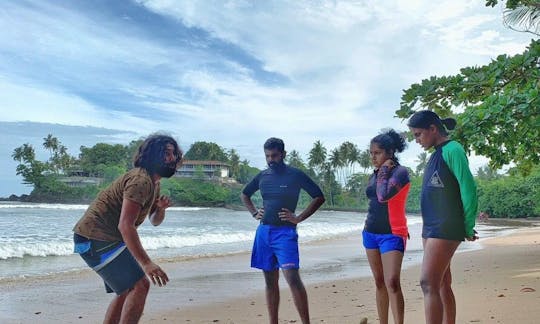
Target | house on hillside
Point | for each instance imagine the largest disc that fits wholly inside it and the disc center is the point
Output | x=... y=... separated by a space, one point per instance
x=213 y=170
x=78 y=178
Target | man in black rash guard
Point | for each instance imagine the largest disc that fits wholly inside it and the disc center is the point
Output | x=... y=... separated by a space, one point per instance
x=276 y=240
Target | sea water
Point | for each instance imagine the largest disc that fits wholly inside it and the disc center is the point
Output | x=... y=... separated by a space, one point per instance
x=37 y=239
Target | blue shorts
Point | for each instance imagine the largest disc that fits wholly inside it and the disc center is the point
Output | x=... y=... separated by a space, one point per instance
x=112 y=261
x=383 y=242
x=275 y=247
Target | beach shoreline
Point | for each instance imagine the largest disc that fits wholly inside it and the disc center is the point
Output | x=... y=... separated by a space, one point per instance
x=225 y=290
x=499 y=283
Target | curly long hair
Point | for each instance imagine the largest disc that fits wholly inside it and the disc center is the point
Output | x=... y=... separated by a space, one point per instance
x=390 y=141
x=151 y=153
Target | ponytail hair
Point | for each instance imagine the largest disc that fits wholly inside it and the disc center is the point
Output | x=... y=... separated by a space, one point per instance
x=390 y=141
x=425 y=118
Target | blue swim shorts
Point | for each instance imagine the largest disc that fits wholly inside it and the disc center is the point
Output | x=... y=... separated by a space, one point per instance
x=275 y=247
x=383 y=242
x=112 y=261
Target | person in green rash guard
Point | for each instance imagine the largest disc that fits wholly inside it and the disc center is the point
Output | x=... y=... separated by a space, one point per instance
x=449 y=207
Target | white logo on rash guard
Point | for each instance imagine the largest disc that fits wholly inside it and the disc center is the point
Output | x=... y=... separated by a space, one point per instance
x=436 y=181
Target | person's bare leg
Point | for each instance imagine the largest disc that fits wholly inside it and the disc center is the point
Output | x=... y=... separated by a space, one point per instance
x=437 y=256
x=135 y=300
x=271 y=279
x=114 y=312
x=298 y=292
x=392 y=272
x=381 y=294
x=448 y=299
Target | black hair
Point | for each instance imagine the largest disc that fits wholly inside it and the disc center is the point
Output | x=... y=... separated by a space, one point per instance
x=274 y=143
x=425 y=118
x=151 y=153
x=390 y=141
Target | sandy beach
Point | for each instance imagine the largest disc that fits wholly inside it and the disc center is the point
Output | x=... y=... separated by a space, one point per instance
x=499 y=283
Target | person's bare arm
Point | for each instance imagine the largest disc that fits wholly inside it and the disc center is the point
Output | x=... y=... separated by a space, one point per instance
x=158 y=211
x=246 y=200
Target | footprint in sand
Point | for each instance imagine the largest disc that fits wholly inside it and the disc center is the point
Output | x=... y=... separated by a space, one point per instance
x=527 y=289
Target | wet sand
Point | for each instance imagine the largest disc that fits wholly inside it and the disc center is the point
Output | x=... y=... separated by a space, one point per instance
x=497 y=284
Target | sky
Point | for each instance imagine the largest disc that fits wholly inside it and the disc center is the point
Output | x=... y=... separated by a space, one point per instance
x=229 y=72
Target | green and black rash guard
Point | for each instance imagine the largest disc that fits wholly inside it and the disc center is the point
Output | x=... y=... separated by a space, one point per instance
x=449 y=201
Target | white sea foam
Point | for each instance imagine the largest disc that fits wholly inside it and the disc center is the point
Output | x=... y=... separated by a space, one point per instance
x=44 y=206
x=78 y=207
x=187 y=208
x=154 y=243
x=18 y=249
x=322 y=230
x=39 y=247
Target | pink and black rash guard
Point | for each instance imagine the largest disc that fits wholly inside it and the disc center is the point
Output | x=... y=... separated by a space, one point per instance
x=387 y=193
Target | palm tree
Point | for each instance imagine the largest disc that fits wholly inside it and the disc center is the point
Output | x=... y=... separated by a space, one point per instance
x=317 y=156
x=295 y=160
x=487 y=173
x=422 y=162
x=523 y=16
x=365 y=159
x=50 y=143
x=337 y=162
x=350 y=155
x=354 y=156
x=234 y=161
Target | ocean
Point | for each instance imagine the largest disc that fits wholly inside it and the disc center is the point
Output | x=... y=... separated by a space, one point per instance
x=36 y=239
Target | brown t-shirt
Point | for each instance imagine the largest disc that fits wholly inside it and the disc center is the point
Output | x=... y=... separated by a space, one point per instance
x=100 y=221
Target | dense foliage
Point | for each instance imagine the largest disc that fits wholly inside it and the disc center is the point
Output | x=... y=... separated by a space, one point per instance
x=500 y=106
x=511 y=195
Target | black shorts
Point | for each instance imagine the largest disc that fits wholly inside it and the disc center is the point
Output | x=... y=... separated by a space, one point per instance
x=112 y=261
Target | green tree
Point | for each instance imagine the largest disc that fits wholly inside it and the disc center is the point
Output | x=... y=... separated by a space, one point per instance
x=350 y=155
x=521 y=15
x=487 y=173
x=357 y=183
x=206 y=151
x=337 y=162
x=246 y=172
x=50 y=143
x=294 y=159
x=500 y=106
x=365 y=159
x=29 y=168
x=131 y=150
x=329 y=185
x=234 y=162
x=94 y=159
x=317 y=157
x=421 y=159
x=59 y=160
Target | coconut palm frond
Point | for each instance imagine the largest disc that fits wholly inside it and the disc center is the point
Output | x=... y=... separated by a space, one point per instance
x=523 y=18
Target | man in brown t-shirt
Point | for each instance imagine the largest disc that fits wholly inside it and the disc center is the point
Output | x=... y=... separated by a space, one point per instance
x=106 y=236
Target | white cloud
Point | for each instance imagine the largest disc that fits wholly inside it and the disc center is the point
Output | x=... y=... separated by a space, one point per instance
x=342 y=66
x=26 y=103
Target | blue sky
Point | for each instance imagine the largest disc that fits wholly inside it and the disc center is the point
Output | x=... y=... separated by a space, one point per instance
x=230 y=72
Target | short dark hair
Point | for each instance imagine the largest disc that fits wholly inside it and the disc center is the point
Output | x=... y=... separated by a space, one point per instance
x=425 y=118
x=274 y=143
x=151 y=153
x=390 y=141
